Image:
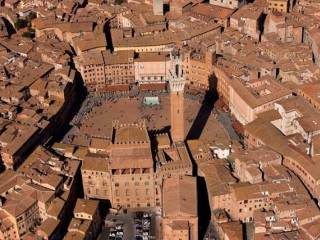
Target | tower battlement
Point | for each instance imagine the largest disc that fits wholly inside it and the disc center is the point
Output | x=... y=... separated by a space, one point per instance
x=176 y=80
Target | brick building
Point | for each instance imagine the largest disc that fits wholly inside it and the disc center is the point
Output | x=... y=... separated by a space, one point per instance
x=127 y=176
x=198 y=67
x=180 y=208
x=102 y=69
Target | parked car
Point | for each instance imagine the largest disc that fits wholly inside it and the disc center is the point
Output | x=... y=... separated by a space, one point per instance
x=119 y=226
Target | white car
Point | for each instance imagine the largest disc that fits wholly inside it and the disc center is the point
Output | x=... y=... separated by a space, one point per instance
x=119 y=226
x=119 y=234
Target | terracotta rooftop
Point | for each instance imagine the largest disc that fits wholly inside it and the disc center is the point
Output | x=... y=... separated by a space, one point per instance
x=49 y=226
x=86 y=206
x=233 y=230
x=95 y=164
x=130 y=134
x=212 y=11
x=273 y=138
x=126 y=157
x=180 y=196
x=311 y=91
x=264 y=91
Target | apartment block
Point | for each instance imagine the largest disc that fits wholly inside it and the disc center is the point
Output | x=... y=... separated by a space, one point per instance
x=233 y=4
x=198 y=67
x=102 y=69
x=180 y=213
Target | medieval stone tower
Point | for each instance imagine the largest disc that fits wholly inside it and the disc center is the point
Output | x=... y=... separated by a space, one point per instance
x=177 y=82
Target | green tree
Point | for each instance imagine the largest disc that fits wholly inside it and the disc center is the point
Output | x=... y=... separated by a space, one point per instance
x=20 y=23
x=28 y=34
x=119 y=2
x=31 y=16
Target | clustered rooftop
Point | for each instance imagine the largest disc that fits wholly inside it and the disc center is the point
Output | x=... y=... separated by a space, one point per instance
x=260 y=162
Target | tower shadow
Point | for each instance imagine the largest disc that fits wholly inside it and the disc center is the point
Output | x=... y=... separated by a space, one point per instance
x=10 y=28
x=203 y=115
x=204 y=212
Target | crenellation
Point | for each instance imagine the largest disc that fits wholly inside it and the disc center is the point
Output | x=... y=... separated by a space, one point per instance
x=159 y=119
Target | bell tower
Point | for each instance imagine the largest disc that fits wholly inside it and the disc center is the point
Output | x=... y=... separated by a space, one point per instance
x=177 y=82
